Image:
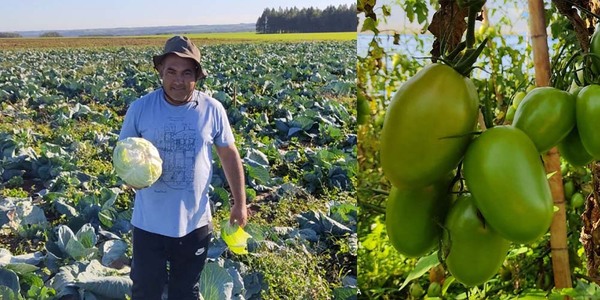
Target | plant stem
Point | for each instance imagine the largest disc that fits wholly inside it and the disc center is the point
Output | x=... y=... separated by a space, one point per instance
x=373 y=207
x=471 y=28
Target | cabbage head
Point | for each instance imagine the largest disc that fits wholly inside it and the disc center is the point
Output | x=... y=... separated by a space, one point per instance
x=137 y=162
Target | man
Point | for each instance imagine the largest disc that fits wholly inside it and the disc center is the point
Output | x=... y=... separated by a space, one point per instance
x=172 y=218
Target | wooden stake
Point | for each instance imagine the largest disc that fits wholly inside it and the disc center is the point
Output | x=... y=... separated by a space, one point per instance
x=558 y=229
x=537 y=29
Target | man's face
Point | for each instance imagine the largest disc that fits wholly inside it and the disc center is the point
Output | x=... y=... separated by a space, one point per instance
x=179 y=77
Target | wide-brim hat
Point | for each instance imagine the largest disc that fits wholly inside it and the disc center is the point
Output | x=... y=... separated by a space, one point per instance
x=183 y=47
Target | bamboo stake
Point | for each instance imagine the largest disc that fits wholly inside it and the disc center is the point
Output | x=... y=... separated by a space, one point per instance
x=537 y=28
x=558 y=229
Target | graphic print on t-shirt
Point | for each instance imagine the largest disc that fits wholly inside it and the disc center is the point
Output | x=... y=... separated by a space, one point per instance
x=178 y=147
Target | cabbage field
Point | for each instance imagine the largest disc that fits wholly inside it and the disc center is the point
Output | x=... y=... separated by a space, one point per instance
x=64 y=213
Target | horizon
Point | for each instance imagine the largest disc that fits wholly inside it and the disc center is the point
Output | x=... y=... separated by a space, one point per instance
x=23 y=16
x=131 y=27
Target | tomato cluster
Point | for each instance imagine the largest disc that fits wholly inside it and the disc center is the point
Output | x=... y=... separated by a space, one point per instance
x=429 y=145
x=554 y=117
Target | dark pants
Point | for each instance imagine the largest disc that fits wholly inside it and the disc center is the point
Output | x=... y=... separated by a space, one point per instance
x=186 y=257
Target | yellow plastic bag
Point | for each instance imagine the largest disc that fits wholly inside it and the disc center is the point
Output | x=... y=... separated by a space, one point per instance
x=235 y=237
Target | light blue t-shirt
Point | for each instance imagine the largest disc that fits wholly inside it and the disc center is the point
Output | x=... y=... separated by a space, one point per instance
x=177 y=203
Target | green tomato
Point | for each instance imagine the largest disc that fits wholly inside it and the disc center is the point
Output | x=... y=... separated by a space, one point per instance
x=427 y=126
x=413 y=217
x=564 y=169
x=510 y=114
x=530 y=88
x=416 y=291
x=546 y=115
x=476 y=250
x=363 y=111
x=569 y=188
x=396 y=59
x=485 y=30
x=379 y=118
x=580 y=171
x=588 y=114
x=434 y=290
x=519 y=96
x=577 y=200
x=505 y=273
x=504 y=172
x=572 y=150
x=482 y=29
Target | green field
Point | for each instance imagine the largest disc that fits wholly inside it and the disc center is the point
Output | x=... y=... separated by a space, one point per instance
x=158 y=40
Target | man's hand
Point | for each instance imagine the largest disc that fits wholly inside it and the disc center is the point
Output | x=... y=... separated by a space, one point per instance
x=239 y=215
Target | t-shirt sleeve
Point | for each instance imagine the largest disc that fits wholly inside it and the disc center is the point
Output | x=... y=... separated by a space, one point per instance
x=129 y=128
x=224 y=135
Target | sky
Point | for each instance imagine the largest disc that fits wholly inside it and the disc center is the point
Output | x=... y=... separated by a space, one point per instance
x=513 y=10
x=40 y=15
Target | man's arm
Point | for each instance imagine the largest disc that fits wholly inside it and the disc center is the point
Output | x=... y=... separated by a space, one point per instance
x=232 y=165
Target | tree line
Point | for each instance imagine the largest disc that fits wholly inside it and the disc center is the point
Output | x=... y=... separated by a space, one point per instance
x=9 y=35
x=16 y=35
x=294 y=20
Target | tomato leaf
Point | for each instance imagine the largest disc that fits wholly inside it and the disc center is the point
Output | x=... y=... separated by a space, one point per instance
x=447 y=284
x=516 y=252
x=386 y=10
x=370 y=25
x=423 y=265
